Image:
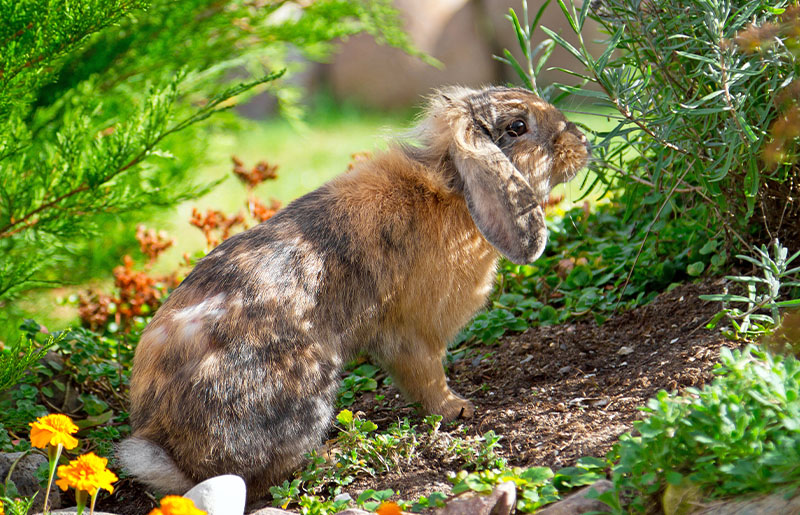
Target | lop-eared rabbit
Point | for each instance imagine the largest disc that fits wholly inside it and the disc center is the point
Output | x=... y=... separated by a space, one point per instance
x=238 y=371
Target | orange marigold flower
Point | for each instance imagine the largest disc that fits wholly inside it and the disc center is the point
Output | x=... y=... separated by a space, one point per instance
x=388 y=508
x=176 y=505
x=87 y=473
x=53 y=430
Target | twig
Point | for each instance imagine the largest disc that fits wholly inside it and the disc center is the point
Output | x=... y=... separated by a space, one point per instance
x=646 y=235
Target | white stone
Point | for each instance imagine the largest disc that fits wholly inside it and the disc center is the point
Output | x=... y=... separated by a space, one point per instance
x=221 y=495
x=343 y=497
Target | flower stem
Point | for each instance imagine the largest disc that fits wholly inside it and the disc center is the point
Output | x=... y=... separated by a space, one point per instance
x=53 y=453
x=80 y=500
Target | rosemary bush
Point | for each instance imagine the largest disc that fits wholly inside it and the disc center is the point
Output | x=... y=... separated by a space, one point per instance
x=694 y=100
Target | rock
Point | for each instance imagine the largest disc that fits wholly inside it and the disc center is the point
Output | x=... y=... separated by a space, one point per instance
x=681 y=499
x=343 y=497
x=578 y=503
x=221 y=495
x=74 y=511
x=24 y=477
x=353 y=511
x=776 y=504
x=500 y=502
x=270 y=511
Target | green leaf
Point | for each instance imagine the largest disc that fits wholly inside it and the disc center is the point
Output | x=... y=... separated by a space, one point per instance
x=345 y=417
x=611 y=47
x=589 y=93
x=522 y=38
x=511 y=60
x=563 y=43
x=696 y=268
x=97 y=420
x=580 y=276
x=537 y=475
x=539 y=14
x=365 y=496
x=572 y=22
x=582 y=15
x=548 y=315
x=368 y=426
x=709 y=247
x=673 y=478
x=592 y=462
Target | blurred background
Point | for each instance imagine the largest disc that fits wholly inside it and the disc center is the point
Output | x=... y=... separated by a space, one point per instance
x=463 y=35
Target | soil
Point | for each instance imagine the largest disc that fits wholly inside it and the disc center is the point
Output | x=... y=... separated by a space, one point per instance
x=554 y=393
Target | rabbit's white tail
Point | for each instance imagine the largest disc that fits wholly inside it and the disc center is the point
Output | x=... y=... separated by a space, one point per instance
x=152 y=465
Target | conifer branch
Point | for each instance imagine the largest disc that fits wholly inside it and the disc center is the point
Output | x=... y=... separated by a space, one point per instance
x=29 y=220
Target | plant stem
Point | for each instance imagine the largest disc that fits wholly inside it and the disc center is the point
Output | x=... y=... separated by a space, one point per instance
x=53 y=453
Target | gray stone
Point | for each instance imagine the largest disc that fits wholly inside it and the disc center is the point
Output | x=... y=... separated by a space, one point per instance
x=221 y=495
x=74 y=511
x=500 y=502
x=343 y=497
x=775 y=504
x=270 y=511
x=578 y=503
x=24 y=477
x=353 y=511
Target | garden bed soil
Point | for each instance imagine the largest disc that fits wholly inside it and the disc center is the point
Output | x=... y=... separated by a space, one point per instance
x=554 y=393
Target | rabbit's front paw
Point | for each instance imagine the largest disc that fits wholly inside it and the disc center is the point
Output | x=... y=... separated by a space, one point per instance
x=454 y=407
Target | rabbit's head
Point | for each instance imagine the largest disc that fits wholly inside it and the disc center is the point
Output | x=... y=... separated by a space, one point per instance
x=506 y=148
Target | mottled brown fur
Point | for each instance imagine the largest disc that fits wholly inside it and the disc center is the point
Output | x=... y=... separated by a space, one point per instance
x=238 y=371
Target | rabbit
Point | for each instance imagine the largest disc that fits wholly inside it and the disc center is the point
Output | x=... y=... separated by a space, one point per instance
x=238 y=371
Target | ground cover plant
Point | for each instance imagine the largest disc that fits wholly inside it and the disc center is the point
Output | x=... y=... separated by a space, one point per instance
x=571 y=347
x=737 y=435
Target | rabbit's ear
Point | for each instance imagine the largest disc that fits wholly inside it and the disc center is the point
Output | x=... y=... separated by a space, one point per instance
x=500 y=200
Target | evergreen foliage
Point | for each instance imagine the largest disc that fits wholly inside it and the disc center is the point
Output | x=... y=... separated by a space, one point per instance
x=696 y=88
x=100 y=100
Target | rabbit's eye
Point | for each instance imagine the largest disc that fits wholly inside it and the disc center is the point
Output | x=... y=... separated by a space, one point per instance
x=517 y=128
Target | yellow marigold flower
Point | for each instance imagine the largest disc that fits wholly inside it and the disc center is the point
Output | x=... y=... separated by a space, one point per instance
x=176 y=505
x=87 y=473
x=388 y=508
x=53 y=430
